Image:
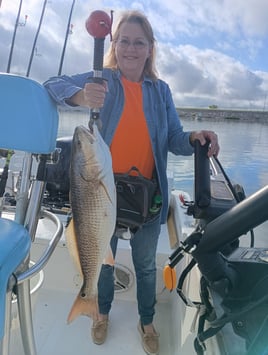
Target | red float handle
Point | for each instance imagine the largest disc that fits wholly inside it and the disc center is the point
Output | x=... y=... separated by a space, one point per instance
x=98 y=25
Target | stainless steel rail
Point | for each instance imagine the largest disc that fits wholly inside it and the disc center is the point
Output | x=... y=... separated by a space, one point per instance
x=41 y=263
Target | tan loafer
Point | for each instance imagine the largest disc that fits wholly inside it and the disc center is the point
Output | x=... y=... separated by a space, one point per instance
x=99 y=331
x=150 y=341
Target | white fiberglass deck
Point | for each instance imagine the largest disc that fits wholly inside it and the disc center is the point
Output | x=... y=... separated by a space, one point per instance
x=54 y=300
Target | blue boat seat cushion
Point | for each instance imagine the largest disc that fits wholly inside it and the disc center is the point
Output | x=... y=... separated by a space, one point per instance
x=29 y=118
x=15 y=245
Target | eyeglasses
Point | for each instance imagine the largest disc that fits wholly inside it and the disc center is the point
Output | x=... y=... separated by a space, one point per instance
x=125 y=43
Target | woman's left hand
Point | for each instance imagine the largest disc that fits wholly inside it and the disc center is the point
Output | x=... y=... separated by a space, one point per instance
x=203 y=136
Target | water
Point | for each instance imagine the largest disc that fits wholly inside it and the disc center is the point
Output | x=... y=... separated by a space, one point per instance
x=243 y=155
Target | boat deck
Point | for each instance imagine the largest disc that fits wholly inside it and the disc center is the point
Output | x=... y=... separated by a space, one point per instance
x=53 y=301
x=54 y=336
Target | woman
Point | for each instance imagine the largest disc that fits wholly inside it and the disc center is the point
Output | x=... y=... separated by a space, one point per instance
x=140 y=125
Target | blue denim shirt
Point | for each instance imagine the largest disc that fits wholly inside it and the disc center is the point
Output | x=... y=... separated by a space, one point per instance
x=165 y=129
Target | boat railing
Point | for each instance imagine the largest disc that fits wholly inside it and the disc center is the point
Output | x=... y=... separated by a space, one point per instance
x=43 y=260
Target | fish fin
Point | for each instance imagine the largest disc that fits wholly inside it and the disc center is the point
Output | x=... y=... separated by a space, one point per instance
x=109 y=258
x=72 y=245
x=86 y=307
x=109 y=189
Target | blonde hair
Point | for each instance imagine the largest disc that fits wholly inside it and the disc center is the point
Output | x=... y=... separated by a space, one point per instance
x=137 y=17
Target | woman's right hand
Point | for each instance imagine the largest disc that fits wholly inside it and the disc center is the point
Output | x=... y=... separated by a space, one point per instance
x=92 y=95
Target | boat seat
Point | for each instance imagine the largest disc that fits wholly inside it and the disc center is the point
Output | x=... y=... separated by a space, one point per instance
x=29 y=117
x=15 y=244
x=29 y=125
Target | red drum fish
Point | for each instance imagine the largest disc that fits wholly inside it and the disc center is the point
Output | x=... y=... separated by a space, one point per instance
x=93 y=202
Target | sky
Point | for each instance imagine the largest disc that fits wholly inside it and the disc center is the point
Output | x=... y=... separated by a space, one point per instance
x=212 y=52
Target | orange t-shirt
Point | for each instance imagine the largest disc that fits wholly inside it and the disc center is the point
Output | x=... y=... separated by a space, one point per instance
x=131 y=145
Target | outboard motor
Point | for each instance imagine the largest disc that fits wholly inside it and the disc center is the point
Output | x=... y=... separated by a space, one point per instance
x=234 y=282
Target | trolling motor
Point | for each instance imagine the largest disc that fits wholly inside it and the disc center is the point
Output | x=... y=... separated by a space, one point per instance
x=237 y=280
x=98 y=25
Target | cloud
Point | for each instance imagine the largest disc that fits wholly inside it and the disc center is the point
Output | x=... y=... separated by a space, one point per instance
x=210 y=77
x=232 y=17
x=209 y=52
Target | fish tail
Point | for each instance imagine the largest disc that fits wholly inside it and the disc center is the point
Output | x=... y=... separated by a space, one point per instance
x=87 y=307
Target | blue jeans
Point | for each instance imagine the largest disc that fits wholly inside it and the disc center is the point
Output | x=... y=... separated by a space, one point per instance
x=143 y=247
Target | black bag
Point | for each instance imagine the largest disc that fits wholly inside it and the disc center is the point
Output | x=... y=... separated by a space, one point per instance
x=135 y=199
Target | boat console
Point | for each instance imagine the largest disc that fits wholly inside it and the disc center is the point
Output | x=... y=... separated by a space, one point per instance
x=234 y=280
x=214 y=195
